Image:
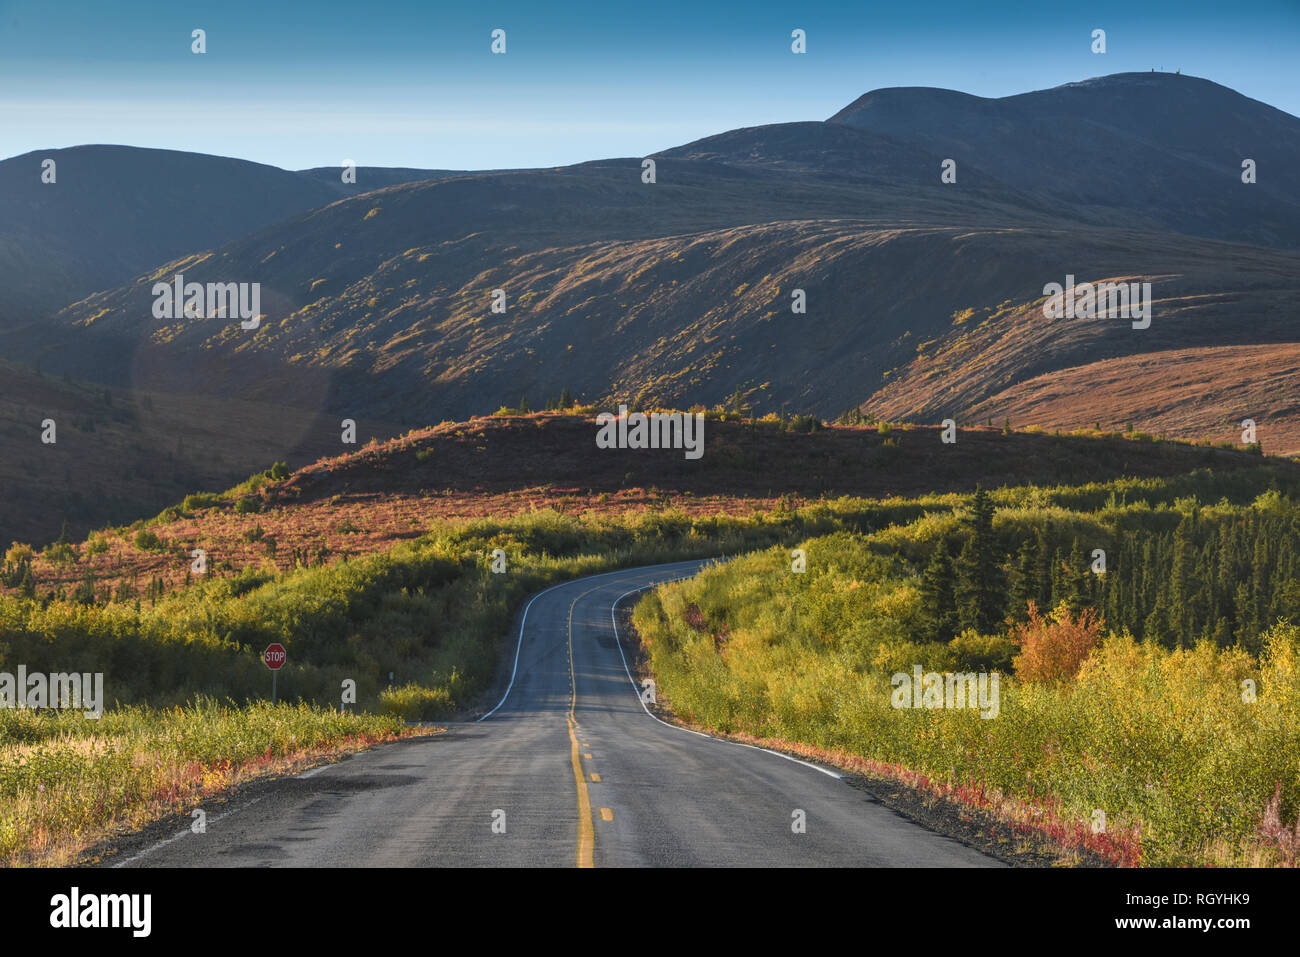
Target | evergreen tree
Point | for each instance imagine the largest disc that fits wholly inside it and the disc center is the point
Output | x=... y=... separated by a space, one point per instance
x=1154 y=628
x=1044 y=571
x=1025 y=586
x=980 y=581
x=1077 y=575
x=938 y=593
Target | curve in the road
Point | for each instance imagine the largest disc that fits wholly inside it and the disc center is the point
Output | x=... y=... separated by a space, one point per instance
x=571 y=768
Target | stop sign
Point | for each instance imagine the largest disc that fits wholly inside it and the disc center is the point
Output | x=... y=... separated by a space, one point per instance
x=274 y=656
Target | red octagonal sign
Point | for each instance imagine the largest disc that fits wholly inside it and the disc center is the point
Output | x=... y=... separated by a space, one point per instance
x=274 y=656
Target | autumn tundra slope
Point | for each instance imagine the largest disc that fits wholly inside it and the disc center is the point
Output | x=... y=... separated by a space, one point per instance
x=681 y=290
x=679 y=318
x=924 y=299
x=383 y=562
x=366 y=501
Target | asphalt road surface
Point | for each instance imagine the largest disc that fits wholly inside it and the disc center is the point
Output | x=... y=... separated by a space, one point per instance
x=569 y=770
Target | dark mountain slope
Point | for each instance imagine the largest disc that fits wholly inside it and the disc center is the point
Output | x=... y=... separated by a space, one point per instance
x=461 y=227
x=375 y=177
x=679 y=291
x=689 y=318
x=1132 y=149
x=115 y=211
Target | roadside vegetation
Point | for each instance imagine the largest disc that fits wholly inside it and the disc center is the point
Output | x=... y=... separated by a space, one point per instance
x=1149 y=713
x=67 y=782
x=431 y=611
x=795 y=657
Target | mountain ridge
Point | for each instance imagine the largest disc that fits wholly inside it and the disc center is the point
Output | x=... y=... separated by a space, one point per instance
x=923 y=297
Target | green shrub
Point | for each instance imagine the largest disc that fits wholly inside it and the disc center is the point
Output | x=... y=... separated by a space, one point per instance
x=972 y=651
x=147 y=541
x=60 y=553
x=805 y=423
x=412 y=702
x=198 y=500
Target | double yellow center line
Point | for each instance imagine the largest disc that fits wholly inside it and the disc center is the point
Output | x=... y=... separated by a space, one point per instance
x=586 y=829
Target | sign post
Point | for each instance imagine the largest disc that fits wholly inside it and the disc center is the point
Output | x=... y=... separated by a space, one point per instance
x=273 y=658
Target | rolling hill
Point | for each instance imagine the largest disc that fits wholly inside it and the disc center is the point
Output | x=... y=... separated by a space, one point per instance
x=119 y=455
x=924 y=298
x=113 y=211
x=367 y=499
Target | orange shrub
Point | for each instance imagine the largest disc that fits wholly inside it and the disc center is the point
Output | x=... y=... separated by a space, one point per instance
x=1053 y=647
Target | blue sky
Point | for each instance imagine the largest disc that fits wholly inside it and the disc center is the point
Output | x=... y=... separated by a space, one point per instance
x=414 y=84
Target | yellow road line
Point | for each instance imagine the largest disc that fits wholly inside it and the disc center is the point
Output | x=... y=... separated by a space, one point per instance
x=587 y=757
x=586 y=831
x=606 y=814
x=595 y=777
x=586 y=828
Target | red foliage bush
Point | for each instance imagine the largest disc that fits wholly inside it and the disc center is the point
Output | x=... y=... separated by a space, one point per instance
x=1053 y=647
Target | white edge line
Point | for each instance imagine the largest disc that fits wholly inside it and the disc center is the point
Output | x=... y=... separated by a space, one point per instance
x=520 y=644
x=177 y=837
x=753 y=747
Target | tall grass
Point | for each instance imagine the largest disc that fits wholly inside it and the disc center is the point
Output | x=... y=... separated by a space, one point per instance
x=66 y=782
x=1170 y=745
x=431 y=613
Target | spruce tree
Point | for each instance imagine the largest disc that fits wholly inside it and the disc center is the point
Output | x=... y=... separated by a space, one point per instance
x=1078 y=590
x=1025 y=588
x=938 y=594
x=980 y=584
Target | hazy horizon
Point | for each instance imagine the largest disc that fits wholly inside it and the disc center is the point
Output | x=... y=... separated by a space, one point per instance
x=411 y=86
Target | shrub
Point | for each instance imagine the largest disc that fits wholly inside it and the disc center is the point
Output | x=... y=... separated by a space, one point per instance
x=17 y=553
x=413 y=702
x=972 y=651
x=200 y=500
x=1052 y=648
x=146 y=540
x=60 y=554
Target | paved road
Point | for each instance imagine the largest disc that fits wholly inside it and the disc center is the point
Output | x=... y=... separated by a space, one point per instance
x=576 y=771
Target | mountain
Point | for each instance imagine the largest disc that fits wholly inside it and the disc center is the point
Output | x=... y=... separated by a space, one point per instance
x=119 y=455
x=384 y=298
x=114 y=211
x=1139 y=150
x=375 y=177
x=924 y=299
